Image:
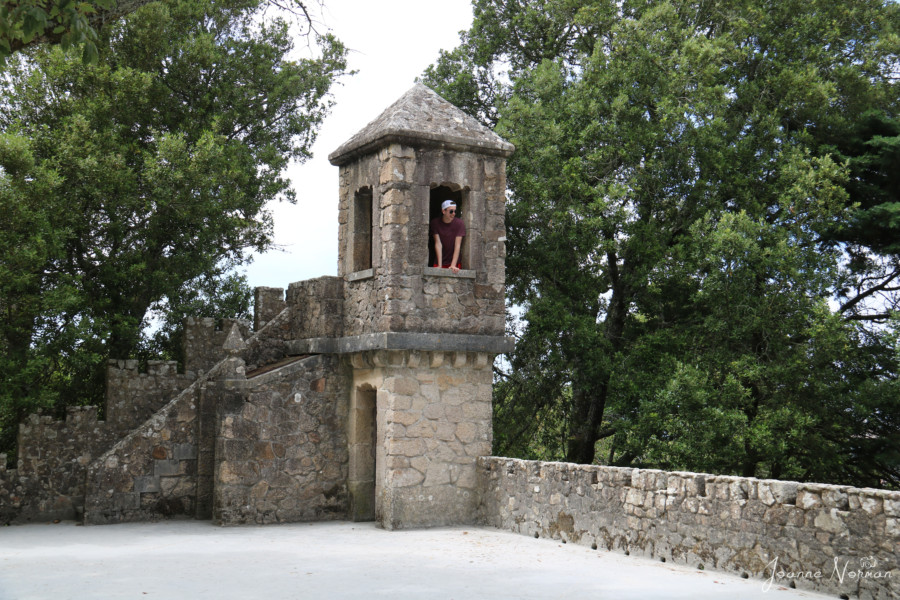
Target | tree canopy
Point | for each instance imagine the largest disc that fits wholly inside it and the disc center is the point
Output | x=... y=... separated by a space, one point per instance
x=136 y=183
x=74 y=23
x=690 y=225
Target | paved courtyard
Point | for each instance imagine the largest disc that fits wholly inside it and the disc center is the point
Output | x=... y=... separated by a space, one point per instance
x=197 y=560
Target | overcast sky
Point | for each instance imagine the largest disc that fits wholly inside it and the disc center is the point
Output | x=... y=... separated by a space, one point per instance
x=391 y=42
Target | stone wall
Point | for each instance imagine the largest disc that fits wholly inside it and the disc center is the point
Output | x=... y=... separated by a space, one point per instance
x=49 y=481
x=150 y=473
x=472 y=306
x=826 y=538
x=267 y=345
x=268 y=302
x=164 y=467
x=317 y=307
x=203 y=339
x=53 y=456
x=12 y=493
x=281 y=455
x=132 y=396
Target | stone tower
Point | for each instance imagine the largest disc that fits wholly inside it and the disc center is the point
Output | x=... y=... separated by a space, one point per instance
x=364 y=396
x=421 y=340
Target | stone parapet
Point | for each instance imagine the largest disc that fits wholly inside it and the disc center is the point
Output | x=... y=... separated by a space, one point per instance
x=824 y=538
x=267 y=345
x=268 y=302
x=317 y=307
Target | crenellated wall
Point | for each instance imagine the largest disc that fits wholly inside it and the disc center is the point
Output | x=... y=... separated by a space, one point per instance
x=48 y=482
x=203 y=339
x=133 y=396
x=164 y=466
x=782 y=532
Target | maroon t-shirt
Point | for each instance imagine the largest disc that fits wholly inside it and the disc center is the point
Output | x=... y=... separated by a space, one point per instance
x=448 y=232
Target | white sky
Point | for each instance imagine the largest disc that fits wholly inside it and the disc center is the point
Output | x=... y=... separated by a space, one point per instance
x=391 y=42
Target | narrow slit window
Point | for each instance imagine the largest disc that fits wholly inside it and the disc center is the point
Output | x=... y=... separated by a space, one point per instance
x=362 y=230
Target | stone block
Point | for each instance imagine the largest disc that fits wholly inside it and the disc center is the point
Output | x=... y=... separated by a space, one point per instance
x=406 y=477
x=130 y=501
x=438 y=473
x=808 y=500
x=830 y=521
x=163 y=468
x=184 y=451
x=143 y=485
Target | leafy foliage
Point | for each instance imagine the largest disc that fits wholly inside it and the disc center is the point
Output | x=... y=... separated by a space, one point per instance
x=66 y=22
x=133 y=186
x=689 y=230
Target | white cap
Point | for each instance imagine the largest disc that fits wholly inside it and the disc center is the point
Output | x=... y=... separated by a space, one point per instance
x=447 y=204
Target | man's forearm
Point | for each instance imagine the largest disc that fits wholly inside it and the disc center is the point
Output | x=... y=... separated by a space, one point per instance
x=456 y=248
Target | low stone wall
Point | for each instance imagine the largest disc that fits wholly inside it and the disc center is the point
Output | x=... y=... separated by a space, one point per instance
x=826 y=538
x=281 y=456
x=53 y=456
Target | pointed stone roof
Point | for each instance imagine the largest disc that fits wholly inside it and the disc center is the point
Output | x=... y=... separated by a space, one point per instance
x=421 y=117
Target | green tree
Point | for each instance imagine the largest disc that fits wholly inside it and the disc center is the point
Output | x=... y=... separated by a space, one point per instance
x=646 y=133
x=75 y=23
x=130 y=182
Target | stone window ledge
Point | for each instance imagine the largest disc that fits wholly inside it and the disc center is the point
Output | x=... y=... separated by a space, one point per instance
x=463 y=273
x=360 y=275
